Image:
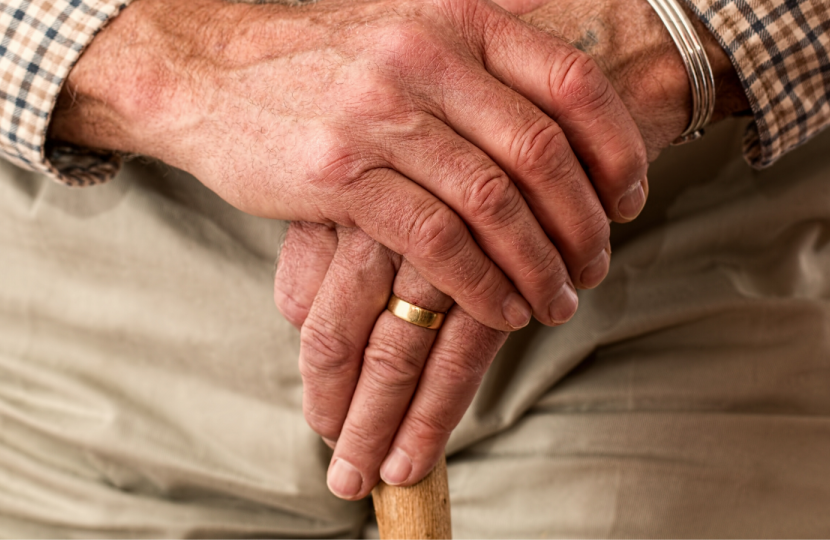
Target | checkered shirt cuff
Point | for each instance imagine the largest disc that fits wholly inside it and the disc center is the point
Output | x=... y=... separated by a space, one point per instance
x=780 y=50
x=42 y=40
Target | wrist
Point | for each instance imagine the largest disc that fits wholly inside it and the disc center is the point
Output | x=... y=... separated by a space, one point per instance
x=131 y=89
x=730 y=95
x=655 y=74
x=632 y=46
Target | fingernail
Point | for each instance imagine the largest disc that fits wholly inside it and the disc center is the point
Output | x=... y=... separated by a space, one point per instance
x=564 y=305
x=632 y=202
x=330 y=443
x=344 y=480
x=396 y=468
x=596 y=271
x=517 y=311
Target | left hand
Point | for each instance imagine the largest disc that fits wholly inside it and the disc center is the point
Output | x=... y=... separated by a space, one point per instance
x=392 y=407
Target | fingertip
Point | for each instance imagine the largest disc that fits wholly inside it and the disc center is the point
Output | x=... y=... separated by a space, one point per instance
x=344 y=480
x=596 y=270
x=396 y=468
x=633 y=201
x=517 y=312
x=411 y=471
x=564 y=305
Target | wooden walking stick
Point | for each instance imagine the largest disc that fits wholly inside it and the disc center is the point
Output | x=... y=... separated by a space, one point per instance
x=419 y=511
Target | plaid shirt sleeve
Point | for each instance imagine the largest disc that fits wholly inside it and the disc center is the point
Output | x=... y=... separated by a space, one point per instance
x=780 y=50
x=42 y=40
x=779 y=47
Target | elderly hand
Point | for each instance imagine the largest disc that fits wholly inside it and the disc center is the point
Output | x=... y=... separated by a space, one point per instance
x=410 y=386
x=335 y=283
x=410 y=119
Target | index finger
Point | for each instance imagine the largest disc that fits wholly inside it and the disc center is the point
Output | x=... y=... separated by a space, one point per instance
x=569 y=86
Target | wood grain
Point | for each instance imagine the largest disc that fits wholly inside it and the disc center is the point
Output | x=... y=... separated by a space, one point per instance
x=419 y=511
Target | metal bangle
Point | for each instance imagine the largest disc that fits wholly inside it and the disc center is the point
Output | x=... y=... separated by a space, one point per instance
x=698 y=67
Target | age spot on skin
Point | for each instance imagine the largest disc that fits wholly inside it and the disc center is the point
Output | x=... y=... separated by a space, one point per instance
x=587 y=42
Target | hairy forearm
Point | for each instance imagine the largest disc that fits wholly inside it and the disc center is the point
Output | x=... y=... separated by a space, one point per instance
x=360 y=113
x=118 y=83
x=122 y=95
x=142 y=78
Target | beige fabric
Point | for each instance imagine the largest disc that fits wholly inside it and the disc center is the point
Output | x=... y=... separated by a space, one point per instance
x=699 y=402
x=148 y=387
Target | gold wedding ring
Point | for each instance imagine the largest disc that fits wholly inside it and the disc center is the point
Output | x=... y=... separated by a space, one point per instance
x=414 y=314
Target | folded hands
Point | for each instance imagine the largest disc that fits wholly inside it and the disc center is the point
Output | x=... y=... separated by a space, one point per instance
x=464 y=158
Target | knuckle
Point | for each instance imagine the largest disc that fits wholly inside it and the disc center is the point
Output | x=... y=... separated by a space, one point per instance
x=414 y=126
x=564 y=178
x=629 y=158
x=391 y=366
x=321 y=423
x=410 y=47
x=363 y=438
x=491 y=196
x=461 y=370
x=407 y=42
x=546 y=270
x=541 y=147
x=359 y=252
x=341 y=158
x=637 y=159
x=436 y=232
x=580 y=82
x=476 y=22
x=326 y=352
x=440 y=238
x=430 y=429
x=463 y=363
x=592 y=233
x=481 y=286
x=338 y=161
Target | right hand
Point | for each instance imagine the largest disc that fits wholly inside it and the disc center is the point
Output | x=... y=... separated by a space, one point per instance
x=389 y=392
x=410 y=119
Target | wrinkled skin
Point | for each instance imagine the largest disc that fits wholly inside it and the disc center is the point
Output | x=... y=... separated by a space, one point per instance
x=485 y=154
x=421 y=122
x=394 y=392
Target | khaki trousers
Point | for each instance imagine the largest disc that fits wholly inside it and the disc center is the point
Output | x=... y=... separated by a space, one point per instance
x=148 y=386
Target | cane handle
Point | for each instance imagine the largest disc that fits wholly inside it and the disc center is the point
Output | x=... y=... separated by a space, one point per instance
x=419 y=511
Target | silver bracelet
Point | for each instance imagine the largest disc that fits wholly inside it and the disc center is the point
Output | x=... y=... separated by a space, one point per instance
x=701 y=77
